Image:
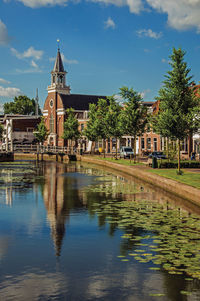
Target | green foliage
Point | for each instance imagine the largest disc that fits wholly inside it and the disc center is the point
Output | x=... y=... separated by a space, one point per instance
x=96 y=126
x=113 y=119
x=179 y=109
x=134 y=116
x=41 y=132
x=1 y=131
x=177 y=116
x=21 y=105
x=183 y=164
x=71 y=124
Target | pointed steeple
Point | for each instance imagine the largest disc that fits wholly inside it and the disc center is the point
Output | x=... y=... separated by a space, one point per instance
x=58 y=76
x=58 y=66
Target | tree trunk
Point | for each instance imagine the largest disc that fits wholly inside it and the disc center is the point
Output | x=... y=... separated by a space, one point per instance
x=42 y=153
x=104 y=148
x=134 y=149
x=116 y=150
x=179 y=165
x=167 y=148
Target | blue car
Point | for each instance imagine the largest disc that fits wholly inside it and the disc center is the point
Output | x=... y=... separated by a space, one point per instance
x=158 y=155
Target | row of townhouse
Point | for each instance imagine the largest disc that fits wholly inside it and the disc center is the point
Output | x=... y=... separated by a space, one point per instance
x=59 y=99
x=19 y=128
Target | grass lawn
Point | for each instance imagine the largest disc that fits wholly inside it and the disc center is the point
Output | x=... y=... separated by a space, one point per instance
x=119 y=161
x=189 y=178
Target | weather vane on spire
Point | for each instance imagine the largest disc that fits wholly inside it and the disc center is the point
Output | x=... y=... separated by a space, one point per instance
x=58 y=41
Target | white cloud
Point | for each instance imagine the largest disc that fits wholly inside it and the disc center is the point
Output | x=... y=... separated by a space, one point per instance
x=109 y=23
x=33 y=64
x=149 y=33
x=40 y=3
x=144 y=93
x=182 y=14
x=29 y=53
x=9 y=92
x=135 y=6
x=4 y=81
x=4 y=38
x=1 y=111
x=30 y=70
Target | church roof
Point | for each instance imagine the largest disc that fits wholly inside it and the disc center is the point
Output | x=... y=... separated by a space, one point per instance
x=58 y=67
x=79 y=101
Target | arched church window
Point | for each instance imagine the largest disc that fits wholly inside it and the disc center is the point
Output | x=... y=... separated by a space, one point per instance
x=51 y=124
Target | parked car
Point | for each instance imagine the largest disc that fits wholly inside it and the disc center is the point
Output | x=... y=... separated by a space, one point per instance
x=126 y=152
x=158 y=155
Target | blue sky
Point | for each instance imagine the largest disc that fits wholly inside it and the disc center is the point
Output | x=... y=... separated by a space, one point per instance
x=106 y=44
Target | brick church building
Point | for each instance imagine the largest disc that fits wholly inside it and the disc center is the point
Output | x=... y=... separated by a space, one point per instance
x=59 y=99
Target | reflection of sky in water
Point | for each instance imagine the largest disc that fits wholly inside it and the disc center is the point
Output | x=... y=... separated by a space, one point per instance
x=55 y=217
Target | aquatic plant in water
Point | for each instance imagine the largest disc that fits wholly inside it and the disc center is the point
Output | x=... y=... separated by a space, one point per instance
x=174 y=239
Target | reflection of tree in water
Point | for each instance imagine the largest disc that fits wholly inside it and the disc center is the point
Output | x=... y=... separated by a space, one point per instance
x=134 y=212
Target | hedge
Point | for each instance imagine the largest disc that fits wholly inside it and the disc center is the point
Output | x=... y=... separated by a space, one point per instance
x=184 y=164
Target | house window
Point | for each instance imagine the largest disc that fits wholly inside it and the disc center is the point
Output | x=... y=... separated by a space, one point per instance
x=155 y=144
x=51 y=124
x=149 y=143
x=82 y=127
x=142 y=143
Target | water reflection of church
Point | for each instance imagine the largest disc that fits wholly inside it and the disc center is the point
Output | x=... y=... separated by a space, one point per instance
x=59 y=200
x=53 y=194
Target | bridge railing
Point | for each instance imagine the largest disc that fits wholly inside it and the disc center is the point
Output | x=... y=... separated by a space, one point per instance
x=30 y=148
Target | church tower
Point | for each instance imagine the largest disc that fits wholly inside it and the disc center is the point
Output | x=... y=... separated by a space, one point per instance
x=58 y=77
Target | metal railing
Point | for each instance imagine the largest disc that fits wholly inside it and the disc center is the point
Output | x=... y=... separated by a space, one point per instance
x=32 y=148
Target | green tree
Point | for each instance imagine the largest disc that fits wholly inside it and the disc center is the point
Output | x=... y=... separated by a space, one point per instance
x=178 y=114
x=71 y=124
x=1 y=131
x=91 y=130
x=113 y=121
x=96 y=126
x=21 y=105
x=134 y=115
x=41 y=132
x=101 y=124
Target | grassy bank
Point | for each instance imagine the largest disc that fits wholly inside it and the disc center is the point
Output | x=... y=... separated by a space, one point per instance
x=126 y=162
x=189 y=178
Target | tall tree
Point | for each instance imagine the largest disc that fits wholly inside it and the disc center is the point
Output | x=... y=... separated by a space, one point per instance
x=22 y=105
x=101 y=123
x=71 y=124
x=134 y=115
x=41 y=132
x=1 y=131
x=91 y=129
x=96 y=126
x=113 y=121
x=178 y=114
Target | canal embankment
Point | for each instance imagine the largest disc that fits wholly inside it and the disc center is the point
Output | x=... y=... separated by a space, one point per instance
x=141 y=172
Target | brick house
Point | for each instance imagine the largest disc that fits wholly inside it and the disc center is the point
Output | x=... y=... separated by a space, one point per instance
x=58 y=100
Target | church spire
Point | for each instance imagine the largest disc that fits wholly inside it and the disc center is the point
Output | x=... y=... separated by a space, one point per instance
x=58 y=76
x=58 y=66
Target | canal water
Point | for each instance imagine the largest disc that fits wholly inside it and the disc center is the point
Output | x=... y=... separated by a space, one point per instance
x=79 y=232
